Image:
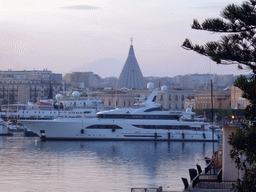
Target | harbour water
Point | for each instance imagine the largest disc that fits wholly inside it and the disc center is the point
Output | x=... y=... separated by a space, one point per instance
x=28 y=164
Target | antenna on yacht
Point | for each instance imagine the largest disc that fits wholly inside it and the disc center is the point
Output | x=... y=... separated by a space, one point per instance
x=212 y=118
x=64 y=92
x=212 y=107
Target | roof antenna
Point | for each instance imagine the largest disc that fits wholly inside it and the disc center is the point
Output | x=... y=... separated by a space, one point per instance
x=131 y=40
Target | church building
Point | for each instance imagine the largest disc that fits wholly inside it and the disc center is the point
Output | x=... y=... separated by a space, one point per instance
x=131 y=76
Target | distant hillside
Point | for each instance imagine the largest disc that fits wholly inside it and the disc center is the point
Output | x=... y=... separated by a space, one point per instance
x=102 y=67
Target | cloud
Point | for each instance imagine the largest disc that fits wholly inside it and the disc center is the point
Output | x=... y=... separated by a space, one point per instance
x=80 y=7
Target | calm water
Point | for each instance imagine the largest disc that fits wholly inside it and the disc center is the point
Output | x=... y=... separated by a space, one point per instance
x=27 y=164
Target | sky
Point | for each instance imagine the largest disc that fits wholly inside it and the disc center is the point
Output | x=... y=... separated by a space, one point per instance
x=67 y=35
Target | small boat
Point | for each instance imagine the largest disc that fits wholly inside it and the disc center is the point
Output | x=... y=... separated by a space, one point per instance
x=4 y=129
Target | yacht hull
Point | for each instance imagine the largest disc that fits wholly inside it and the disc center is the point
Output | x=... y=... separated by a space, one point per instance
x=109 y=129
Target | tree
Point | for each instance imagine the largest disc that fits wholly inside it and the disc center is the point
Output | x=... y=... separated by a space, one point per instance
x=237 y=46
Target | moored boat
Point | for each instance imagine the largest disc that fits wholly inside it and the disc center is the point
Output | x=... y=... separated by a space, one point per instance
x=4 y=129
x=149 y=122
x=48 y=109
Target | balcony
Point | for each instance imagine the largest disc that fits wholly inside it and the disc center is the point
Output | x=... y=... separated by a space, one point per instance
x=208 y=180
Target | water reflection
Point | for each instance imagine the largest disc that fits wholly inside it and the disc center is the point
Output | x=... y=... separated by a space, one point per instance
x=97 y=165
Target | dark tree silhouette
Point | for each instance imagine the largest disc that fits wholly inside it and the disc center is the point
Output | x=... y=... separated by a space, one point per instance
x=237 y=46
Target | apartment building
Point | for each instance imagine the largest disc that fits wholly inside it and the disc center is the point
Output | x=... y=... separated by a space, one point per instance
x=24 y=86
x=83 y=79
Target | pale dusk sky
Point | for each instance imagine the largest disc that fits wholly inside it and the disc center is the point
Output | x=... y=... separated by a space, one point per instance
x=63 y=35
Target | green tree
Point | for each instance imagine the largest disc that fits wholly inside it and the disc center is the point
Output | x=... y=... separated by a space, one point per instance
x=11 y=98
x=237 y=46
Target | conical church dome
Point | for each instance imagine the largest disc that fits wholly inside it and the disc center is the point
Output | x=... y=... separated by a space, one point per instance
x=131 y=76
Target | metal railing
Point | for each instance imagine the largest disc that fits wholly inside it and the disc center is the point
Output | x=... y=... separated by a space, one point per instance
x=159 y=189
x=215 y=185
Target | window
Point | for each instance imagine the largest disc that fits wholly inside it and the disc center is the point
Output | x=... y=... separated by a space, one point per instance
x=153 y=109
x=103 y=127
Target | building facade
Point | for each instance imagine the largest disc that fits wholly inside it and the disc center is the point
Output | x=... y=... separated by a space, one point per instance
x=24 y=86
x=237 y=101
x=221 y=99
x=176 y=99
x=169 y=99
x=83 y=79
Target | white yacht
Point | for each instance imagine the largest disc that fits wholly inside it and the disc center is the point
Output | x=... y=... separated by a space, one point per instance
x=149 y=122
x=48 y=109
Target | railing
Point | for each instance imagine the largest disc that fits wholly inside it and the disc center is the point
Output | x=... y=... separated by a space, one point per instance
x=210 y=175
x=210 y=178
x=214 y=174
x=159 y=189
x=215 y=185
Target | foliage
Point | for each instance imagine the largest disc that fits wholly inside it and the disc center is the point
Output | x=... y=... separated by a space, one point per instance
x=11 y=98
x=4 y=102
x=238 y=47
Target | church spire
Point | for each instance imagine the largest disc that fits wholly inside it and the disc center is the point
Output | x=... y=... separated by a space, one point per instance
x=131 y=76
x=131 y=48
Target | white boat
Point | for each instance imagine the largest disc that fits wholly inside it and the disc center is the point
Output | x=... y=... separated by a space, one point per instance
x=149 y=122
x=3 y=128
x=47 y=109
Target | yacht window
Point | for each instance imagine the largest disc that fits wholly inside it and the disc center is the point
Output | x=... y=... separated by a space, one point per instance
x=104 y=127
x=163 y=126
x=129 y=116
x=153 y=109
